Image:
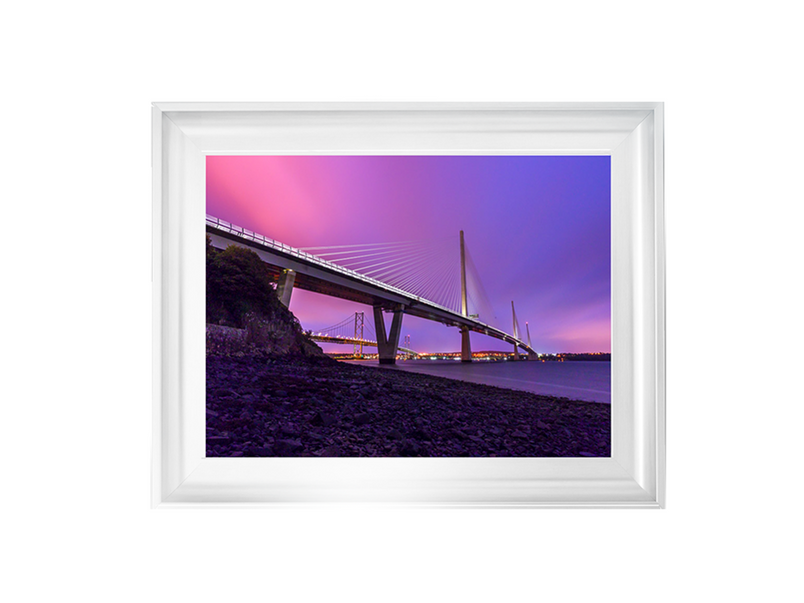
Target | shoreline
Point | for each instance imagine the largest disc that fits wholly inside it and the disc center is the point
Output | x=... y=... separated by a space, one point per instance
x=262 y=405
x=503 y=377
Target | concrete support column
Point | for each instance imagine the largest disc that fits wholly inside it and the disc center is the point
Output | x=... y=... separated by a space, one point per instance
x=387 y=344
x=284 y=287
x=466 y=345
x=516 y=353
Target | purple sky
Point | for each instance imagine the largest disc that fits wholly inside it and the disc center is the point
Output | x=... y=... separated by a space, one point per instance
x=538 y=230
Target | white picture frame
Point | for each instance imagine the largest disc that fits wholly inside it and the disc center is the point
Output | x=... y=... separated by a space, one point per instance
x=631 y=133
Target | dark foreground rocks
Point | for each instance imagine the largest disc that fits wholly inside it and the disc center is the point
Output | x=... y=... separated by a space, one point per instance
x=261 y=405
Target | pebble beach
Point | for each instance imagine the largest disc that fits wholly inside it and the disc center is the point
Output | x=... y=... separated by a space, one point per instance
x=283 y=405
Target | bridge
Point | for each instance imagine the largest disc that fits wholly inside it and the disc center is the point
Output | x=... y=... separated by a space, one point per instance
x=358 y=333
x=397 y=278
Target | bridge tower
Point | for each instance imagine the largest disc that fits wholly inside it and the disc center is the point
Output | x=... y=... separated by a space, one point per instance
x=466 y=344
x=531 y=355
x=516 y=330
x=387 y=344
x=358 y=347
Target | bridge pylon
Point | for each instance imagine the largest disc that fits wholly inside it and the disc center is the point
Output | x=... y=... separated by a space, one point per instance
x=516 y=331
x=387 y=344
x=531 y=355
x=466 y=343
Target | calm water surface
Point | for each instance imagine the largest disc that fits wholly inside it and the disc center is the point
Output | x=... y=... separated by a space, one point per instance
x=590 y=381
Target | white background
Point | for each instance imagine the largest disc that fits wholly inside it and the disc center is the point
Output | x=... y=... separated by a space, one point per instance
x=78 y=80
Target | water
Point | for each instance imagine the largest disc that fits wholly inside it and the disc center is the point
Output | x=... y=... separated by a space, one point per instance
x=590 y=381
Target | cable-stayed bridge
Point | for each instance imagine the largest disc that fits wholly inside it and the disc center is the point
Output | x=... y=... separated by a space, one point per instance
x=414 y=278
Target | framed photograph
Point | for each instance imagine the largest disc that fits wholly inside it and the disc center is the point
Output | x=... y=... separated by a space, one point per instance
x=410 y=304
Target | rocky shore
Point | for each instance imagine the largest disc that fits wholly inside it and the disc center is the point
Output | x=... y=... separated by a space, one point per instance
x=294 y=405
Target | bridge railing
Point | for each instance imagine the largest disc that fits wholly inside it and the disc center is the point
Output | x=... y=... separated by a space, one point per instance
x=293 y=251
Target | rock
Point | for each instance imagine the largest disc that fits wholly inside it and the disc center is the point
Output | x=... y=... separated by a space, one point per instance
x=409 y=448
x=421 y=434
x=329 y=451
x=281 y=393
x=290 y=431
x=362 y=418
x=395 y=434
x=323 y=419
x=284 y=447
x=518 y=434
x=541 y=425
x=584 y=453
x=459 y=434
x=214 y=440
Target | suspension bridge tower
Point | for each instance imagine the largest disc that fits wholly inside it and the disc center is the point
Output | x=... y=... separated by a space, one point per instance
x=358 y=345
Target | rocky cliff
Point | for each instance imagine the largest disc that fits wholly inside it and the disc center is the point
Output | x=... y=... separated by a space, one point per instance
x=243 y=311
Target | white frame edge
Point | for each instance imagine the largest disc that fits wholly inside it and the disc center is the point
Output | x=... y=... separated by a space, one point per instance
x=632 y=133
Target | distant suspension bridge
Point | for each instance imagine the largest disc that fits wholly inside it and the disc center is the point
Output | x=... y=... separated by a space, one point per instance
x=356 y=331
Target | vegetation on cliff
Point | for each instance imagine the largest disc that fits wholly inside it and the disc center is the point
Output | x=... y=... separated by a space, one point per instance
x=243 y=311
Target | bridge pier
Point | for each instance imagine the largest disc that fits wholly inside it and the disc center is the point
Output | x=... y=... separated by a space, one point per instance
x=387 y=344
x=466 y=345
x=284 y=287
